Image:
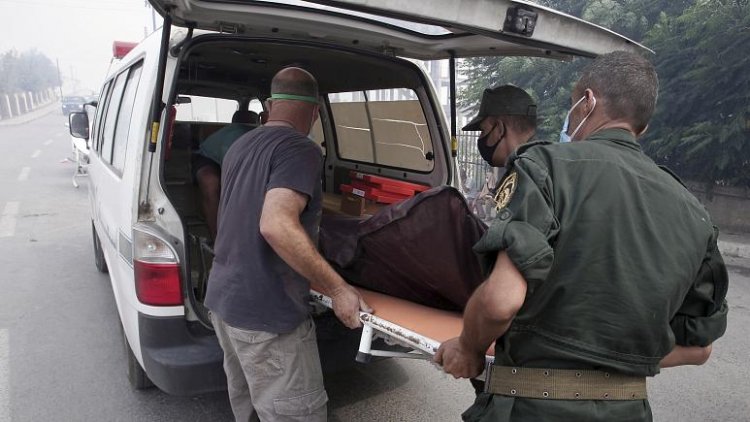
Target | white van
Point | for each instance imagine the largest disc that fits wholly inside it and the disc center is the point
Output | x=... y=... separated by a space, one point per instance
x=379 y=115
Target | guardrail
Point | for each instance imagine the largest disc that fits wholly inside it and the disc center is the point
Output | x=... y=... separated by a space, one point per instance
x=20 y=103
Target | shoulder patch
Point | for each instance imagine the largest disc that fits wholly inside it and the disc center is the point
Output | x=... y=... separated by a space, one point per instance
x=506 y=190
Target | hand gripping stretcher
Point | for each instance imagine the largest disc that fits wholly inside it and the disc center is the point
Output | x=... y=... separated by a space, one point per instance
x=397 y=321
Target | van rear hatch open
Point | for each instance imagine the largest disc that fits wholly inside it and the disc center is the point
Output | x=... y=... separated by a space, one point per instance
x=424 y=30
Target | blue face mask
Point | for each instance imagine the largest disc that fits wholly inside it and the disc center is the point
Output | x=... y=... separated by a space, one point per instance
x=564 y=137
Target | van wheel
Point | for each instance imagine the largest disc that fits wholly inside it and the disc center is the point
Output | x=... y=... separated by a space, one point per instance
x=99 y=262
x=136 y=375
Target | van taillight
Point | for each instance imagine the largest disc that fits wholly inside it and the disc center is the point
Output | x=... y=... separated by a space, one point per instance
x=157 y=271
x=158 y=284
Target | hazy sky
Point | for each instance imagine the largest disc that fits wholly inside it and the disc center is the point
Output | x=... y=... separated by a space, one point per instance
x=77 y=32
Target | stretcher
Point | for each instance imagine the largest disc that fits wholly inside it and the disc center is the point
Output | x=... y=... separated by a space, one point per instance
x=400 y=322
x=80 y=159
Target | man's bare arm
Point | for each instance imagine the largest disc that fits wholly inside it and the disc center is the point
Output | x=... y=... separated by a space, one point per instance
x=488 y=315
x=686 y=355
x=281 y=227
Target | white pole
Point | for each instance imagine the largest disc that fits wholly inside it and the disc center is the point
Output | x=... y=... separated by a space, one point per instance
x=7 y=106
x=18 y=105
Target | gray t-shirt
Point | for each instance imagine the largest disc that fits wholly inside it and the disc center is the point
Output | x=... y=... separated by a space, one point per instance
x=250 y=286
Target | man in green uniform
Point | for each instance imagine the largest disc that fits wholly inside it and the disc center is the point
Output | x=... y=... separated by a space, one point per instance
x=603 y=268
x=507 y=120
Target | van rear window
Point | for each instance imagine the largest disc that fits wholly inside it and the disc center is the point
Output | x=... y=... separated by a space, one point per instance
x=385 y=127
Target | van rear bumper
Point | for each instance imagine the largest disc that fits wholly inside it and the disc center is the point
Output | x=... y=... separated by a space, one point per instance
x=180 y=359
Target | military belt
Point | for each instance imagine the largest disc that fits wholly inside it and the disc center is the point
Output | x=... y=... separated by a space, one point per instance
x=564 y=384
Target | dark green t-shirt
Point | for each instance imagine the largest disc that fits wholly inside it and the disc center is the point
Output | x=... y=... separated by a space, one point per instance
x=218 y=143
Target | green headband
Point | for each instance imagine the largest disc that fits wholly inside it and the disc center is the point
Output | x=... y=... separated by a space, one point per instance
x=304 y=98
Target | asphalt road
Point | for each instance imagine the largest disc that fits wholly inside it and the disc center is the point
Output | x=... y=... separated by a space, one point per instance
x=62 y=357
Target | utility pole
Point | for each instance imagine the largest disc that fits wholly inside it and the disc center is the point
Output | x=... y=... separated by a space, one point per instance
x=73 y=81
x=153 y=16
x=59 y=77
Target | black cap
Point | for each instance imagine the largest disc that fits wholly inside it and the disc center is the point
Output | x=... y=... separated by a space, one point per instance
x=506 y=100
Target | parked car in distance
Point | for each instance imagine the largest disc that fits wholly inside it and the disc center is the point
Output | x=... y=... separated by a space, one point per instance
x=72 y=103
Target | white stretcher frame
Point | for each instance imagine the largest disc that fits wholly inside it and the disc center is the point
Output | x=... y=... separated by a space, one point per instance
x=373 y=326
x=80 y=159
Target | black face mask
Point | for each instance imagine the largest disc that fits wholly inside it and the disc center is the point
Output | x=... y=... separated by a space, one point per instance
x=487 y=151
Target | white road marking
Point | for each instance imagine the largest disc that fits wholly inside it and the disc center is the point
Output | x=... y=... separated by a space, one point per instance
x=36 y=153
x=4 y=376
x=24 y=175
x=8 y=219
x=48 y=141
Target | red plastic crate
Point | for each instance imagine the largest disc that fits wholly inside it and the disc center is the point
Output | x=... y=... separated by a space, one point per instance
x=389 y=185
x=377 y=190
x=373 y=194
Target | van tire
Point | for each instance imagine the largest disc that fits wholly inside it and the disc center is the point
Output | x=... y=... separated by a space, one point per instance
x=136 y=375
x=99 y=262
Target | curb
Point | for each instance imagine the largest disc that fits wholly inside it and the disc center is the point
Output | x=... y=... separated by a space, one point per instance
x=734 y=249
x=32 y=115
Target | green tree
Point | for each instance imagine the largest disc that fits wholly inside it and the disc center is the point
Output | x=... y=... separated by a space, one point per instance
x=549 y=81
x=27 y=71
x=9 y=71
x=702 y=125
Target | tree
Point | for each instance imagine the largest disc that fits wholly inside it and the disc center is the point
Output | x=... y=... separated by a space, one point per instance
x=702 y=122
x=27 y=71
x=549 y=81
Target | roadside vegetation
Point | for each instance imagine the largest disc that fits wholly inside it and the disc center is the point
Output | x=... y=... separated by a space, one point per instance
x=701 y=129
x=28 y=71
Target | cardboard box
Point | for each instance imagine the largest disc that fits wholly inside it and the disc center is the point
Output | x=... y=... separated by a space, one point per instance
x=352 y=204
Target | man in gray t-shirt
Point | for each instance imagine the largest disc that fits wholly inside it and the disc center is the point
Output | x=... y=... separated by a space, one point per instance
x=265 y=259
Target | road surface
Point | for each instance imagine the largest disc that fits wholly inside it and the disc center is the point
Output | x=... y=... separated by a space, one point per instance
x=62 y=357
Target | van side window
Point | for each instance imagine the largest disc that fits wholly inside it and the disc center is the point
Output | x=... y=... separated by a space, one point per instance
x=96 y=136
x=255 y=105
x=318 y=136
x=385 y=127
x=123 y=117
x=206 y=109
x=110 y=118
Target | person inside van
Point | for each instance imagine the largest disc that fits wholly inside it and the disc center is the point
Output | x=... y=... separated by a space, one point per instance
x=207 y=162
x=507 y=120
x=266 y=258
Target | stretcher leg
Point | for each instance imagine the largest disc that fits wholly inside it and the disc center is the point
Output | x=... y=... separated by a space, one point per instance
x=81 y=162
x=365 y=345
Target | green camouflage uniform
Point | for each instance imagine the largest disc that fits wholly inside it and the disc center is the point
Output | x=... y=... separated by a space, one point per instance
x=621 y=263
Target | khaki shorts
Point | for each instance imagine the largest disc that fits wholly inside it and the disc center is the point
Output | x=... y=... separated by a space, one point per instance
x=273 y=377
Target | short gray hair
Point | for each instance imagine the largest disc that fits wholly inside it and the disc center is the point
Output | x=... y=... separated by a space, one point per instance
x=626 y=82
x=295 y=81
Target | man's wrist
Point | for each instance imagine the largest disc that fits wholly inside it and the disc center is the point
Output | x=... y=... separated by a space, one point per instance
x=468 y=345
x=336 y=287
